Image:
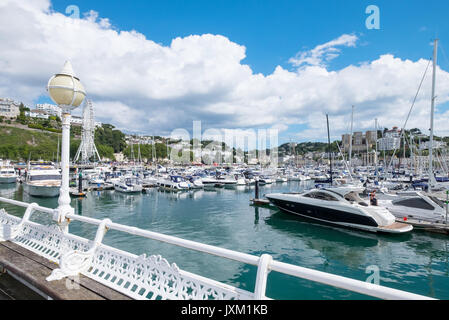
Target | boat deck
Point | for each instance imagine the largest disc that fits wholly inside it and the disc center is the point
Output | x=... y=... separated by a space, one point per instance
x=32 y=270
x=395 y=226
x=428 y=226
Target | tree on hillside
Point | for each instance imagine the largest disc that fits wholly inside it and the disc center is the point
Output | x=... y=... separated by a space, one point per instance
x=107 y=136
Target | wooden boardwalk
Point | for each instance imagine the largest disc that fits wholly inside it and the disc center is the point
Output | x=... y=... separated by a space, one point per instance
x=32 y=271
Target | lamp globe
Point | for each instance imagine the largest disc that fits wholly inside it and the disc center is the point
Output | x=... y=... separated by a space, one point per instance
x=65 y=89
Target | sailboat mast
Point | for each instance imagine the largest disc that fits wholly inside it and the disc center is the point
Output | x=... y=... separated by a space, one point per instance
x=350 y=140
x=432 y=110
x=329 y=142
x=375 y=156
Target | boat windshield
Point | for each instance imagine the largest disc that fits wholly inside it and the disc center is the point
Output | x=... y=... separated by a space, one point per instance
x=354 y=197
x=45 y=177
x=7 y=172
x=437 y=201
x=130 y=181
x=320 y=195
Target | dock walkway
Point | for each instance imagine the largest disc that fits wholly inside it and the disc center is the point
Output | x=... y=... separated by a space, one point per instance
x=32 y=270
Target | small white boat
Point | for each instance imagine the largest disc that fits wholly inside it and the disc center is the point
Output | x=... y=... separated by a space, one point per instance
x=240 y=178
x=128 y=184
x=42 y=180
x=175 y=183
x=195 y=182
x=97 y=180
x=8 y=174
x=265 y=180
x=281 y=179
x=226 y=180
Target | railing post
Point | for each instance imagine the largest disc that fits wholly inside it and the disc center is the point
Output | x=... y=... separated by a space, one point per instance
x=59 y=216
x=263 y=270
x=11 y=232
x=75 y=262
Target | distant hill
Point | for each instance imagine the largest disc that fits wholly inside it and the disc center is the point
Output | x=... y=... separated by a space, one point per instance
x=18 y=143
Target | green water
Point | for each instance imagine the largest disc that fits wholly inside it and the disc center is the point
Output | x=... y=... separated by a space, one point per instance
x=416 y=262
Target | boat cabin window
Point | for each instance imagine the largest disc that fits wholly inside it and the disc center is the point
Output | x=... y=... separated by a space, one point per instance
x=414 y=203
x=44 y=177
x=354 y=197
x=321 y=196
x=437 y=201
x=130 y=181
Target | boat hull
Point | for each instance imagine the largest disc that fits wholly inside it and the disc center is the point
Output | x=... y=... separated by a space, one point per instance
x=7 y=180
x=125 y=189
x=324 y=214
x=41 y=191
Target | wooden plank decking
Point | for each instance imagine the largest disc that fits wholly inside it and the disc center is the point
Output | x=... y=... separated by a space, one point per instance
x=32 y=270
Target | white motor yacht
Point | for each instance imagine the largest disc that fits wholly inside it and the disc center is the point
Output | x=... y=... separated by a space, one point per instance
x=227 y=180
x=195 y=182
x=175 y=183
x=240 y=178
x=128 y=184
x=281 y=178
x=7 y=174
x=420 y=209
x=42 y=180
x=339 y=206
x=265 y=180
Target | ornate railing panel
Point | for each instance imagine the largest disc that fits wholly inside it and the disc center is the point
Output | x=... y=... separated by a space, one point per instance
x=152 y=277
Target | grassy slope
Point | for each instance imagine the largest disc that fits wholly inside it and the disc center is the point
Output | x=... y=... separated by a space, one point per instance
x=16 y=143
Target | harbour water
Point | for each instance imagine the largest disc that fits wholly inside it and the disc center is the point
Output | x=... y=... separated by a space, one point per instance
x=417 y=262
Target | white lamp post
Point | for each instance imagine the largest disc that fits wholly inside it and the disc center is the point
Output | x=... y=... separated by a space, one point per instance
x=68 y=93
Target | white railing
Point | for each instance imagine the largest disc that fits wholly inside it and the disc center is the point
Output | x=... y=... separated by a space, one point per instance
x=142 y=277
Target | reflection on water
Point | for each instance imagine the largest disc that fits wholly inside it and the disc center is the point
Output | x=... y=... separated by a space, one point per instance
x=7 y=190
x=416 y=262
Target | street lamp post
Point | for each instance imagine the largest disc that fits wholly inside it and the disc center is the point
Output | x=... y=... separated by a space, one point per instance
x=66 y=90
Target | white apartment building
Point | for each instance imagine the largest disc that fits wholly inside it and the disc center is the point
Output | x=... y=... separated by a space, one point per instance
x=49 y=109
x=78 y=121
x=36 y=114
x=435 y=144
x=391 y=140
x=9 y=108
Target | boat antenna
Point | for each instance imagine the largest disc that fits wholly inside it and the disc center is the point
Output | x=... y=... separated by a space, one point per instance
x=329 y=142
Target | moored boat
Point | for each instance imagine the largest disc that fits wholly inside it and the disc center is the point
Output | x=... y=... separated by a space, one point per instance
x=7 y=174
x=128 y=184
x=42 y=180
x=339 y=206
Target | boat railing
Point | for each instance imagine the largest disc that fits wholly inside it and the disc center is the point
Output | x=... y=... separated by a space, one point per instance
x=152 y=277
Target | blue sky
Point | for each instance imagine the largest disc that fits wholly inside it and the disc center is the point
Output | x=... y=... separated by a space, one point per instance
x=275 y=31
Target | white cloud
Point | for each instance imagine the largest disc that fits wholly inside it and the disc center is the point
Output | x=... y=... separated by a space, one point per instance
x=142 y=86
x=324 y=53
